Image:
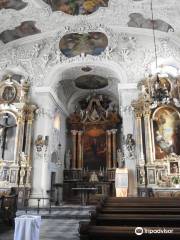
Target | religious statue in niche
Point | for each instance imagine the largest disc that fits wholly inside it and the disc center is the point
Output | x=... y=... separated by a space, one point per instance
x=166 y=126
x=40 y=143
x=7 y=136
x=130 y=145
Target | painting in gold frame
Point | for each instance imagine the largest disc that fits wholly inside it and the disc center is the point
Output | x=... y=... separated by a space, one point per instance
x=166 y=131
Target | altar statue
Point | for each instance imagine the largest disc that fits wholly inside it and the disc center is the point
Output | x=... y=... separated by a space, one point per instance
x=94 y=177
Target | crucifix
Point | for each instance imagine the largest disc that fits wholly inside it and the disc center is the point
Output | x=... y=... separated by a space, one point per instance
x=4 y=127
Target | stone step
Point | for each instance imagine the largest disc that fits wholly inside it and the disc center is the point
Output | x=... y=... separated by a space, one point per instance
x=68 y=212
x=61 y=208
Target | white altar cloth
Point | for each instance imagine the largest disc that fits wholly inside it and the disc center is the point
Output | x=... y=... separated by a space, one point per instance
x=27 y=227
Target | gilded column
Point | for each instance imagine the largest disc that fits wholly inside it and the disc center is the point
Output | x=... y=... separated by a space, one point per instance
x=79 y=160
x=139 y=141
x=148 y=138
x=74 y=151
x=108 y=132
x=114 y=131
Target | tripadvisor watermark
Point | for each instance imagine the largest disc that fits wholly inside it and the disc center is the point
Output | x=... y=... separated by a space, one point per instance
x=140 y=231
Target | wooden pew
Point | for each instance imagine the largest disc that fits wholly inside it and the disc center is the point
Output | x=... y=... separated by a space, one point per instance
x=8 y=208
x=143 y=210
x=117 y=218
x=90 y=232
x=137 y=220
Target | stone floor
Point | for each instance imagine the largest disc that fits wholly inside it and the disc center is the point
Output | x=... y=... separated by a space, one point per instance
x=61 y=224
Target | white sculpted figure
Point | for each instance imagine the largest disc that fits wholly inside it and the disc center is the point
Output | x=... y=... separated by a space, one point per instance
x=120 y=158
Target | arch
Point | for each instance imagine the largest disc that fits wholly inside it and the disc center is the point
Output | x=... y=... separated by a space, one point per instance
x=55 y=75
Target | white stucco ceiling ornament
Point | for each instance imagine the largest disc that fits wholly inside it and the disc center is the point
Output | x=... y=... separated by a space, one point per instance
x=116 y=14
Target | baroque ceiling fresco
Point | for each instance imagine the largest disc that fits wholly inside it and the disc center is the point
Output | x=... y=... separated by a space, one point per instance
x=25 y=29
x=92 y=43
x=77 y=7
x=139 y=21
x=12 y=4
x=91 y=82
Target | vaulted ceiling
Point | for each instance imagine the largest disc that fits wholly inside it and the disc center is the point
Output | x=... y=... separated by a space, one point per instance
x=47 y=15
x=85 y=27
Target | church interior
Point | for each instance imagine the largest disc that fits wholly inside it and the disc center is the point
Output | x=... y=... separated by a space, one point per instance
x=89 y=119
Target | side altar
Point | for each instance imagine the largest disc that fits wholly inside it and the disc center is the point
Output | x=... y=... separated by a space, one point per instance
x=157 y=117
x=16 y=119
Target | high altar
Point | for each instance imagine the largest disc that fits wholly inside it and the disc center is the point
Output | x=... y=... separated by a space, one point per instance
x=157 y=117
x=92 y=160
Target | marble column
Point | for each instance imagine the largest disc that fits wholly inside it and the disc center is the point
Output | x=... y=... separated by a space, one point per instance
x=148 y=137
x=17 y=140
x=114 y=147
x=79 y=159
x=108 y=133
x=139 y=141
x=74 y=150
x=28 y=150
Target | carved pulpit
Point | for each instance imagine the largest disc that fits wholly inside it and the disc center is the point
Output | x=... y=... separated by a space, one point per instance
x=16 y=118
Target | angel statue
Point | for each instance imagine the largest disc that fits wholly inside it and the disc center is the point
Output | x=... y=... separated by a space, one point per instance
x=130 y=144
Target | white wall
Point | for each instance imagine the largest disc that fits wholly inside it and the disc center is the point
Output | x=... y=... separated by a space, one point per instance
x=44 y=125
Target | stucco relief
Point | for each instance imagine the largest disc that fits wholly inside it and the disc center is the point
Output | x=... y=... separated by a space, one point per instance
x=39 y=57
x=116 y=14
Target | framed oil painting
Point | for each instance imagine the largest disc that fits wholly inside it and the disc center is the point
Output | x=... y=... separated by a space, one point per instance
x=174 y=167
x=94 y=149
x=166 y=130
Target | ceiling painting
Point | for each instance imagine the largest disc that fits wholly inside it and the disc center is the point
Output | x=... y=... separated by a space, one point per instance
x=12 y=4
x=91 y=82
x=25 y=29
x=92 y=43
x=77 y=7
x=139 y=21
